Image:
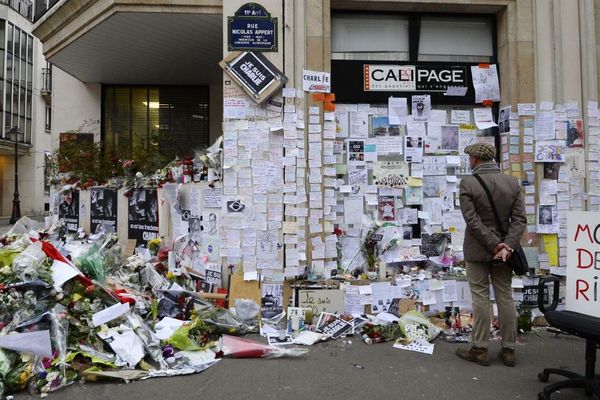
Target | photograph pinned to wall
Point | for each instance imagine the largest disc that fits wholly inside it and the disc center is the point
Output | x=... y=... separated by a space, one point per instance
x=413 y=195
x=392 y=174
x=549 y=151
x=575 y=137
x=143 y=215
x=551 y=170
x=380 y=126
x=574 y=162
x=450 y=137
x=103 y=209
x=435 y=245
x=434 y=186
x=434 y=165
x=195 y=229
x=68 y=210
x=547 y=219
x=485 y=82
x=413 y=149
x=421 y=107
x=356 y=152
x=504 y=120
x=386 y=207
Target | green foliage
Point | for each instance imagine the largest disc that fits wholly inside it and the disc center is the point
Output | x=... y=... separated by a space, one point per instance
x=89 y=161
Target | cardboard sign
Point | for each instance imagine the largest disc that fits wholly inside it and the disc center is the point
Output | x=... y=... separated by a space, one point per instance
x=583 y=266
x=322 y=300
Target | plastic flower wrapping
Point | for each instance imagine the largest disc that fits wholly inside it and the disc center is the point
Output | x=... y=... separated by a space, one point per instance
x=417 y=327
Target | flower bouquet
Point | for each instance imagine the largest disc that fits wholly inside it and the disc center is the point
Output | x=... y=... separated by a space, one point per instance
x=378 y=240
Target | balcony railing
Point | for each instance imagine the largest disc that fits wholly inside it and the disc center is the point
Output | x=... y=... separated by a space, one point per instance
x=47 y=79
x=23 y=7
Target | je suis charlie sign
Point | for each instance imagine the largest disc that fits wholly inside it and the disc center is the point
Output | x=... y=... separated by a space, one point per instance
x=254 y=73
x=252 y=28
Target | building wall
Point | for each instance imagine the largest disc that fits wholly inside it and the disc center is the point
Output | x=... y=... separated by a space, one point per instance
x=76 y=106
x=31 y=161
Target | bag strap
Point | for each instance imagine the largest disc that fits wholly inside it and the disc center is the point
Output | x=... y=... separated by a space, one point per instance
x=493 y=204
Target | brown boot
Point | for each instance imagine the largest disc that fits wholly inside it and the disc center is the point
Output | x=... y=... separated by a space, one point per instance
x=508 y=357
x=478 y=355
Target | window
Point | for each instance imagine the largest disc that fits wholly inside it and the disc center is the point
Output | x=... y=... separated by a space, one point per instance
x=412 y=37
x=167 y=121
x=19 y=81
x=369 y=37
x=456 y=39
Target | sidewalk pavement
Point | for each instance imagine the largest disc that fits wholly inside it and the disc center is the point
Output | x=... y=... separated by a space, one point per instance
x=350 y=369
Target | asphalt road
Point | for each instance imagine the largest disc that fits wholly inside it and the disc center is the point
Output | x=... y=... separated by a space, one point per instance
x=343 y=370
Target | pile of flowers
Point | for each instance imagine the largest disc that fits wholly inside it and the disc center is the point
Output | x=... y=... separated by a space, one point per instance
x=75 y=336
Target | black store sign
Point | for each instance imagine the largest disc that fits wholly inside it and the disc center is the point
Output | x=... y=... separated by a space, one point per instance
x=252 y=28
x=254 y=71
x=357 y=81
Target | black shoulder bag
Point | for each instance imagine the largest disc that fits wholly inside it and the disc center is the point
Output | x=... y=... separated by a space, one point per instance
x=517 y=261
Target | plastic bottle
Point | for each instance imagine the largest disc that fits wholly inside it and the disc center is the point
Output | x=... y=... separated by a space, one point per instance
x=367 y=339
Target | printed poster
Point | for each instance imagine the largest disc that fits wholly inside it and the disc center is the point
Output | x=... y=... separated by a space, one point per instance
x=547 y=221
x=271 y=302
x=413 y=149
x=421 y=107
x=143 y=215
x=103 y=209
x=68 y=210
